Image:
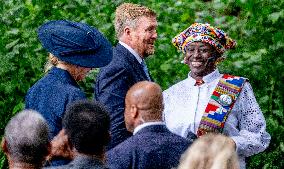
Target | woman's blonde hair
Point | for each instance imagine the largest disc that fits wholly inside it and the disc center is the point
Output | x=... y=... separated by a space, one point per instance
x=51 y=61
x=211 y=151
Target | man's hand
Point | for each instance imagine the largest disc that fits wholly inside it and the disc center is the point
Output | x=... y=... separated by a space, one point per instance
x=60 y=147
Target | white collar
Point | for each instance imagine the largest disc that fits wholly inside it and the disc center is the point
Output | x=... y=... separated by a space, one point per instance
x=208 y=78
x=138 y=128
x=139 y=59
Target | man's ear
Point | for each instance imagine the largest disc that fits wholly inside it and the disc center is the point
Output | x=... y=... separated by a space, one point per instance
x=127 y=31
x=127 y=34
x=134 y=111
x=49 y=147
x=4 y=145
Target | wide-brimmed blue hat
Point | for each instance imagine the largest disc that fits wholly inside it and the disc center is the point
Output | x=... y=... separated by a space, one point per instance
x=75 y=43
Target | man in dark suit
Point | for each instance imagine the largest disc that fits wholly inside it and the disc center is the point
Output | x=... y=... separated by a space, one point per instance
x=135 y=27
x=86 y=125
x=152 y=146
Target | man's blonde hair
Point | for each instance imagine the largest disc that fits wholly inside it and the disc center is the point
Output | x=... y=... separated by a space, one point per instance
x=127 y=14
x=211 y=151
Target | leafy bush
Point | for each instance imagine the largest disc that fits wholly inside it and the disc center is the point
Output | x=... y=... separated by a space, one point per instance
x=256 y=25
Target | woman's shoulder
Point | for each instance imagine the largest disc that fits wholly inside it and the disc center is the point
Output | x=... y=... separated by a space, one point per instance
x=49 y=83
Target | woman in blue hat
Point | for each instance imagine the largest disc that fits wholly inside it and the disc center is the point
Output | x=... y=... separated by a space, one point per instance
x=74 y=49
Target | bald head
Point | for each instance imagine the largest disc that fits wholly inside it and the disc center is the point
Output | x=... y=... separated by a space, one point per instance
x=144 y=103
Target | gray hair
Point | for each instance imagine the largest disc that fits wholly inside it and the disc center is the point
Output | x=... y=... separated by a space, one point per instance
x=26 y=136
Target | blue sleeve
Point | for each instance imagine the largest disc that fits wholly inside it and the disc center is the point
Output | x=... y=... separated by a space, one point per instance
x=112 y=88
x=118 y=158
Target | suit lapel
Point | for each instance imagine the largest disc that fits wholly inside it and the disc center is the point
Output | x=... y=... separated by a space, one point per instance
x=133 y=62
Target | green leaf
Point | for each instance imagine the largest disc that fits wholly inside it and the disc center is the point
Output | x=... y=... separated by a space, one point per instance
x=12 y=44
x=20 y=106
x=275 y=16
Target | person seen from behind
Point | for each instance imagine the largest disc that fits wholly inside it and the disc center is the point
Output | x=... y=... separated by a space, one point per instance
x=74 y=49
x=211 y=151
x=152 y=145
x=86 y=127
x=25 y=141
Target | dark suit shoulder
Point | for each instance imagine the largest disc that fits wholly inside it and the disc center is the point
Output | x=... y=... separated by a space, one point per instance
x=118 y=66
x=148 y=137
x=159 y=134
x=121 y=58
x=148 y=149
x=82 y=162
x=129 y=143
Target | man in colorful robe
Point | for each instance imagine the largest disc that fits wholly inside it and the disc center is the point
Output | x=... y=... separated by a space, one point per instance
x=208 y=101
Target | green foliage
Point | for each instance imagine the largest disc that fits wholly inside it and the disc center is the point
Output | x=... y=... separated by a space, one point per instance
x=256 y=25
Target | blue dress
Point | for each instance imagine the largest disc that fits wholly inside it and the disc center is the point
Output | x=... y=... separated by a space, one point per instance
x=51 y=95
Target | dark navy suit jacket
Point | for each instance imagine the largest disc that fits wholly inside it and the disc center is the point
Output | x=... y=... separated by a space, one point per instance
x=82 y=162
x=112 y=84
x=152 y=147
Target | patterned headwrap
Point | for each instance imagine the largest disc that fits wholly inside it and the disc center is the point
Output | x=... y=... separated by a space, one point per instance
x=199 y=32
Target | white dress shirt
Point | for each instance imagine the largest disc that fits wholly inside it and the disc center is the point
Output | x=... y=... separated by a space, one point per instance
x=141 y=126
x=185 y=104
x=139 y=59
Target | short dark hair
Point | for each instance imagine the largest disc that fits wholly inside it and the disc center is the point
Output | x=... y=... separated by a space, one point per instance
x=26 y=136
x=87 y=126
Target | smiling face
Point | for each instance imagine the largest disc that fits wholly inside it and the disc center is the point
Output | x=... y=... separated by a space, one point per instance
x=200 y=57
x=144 y=35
